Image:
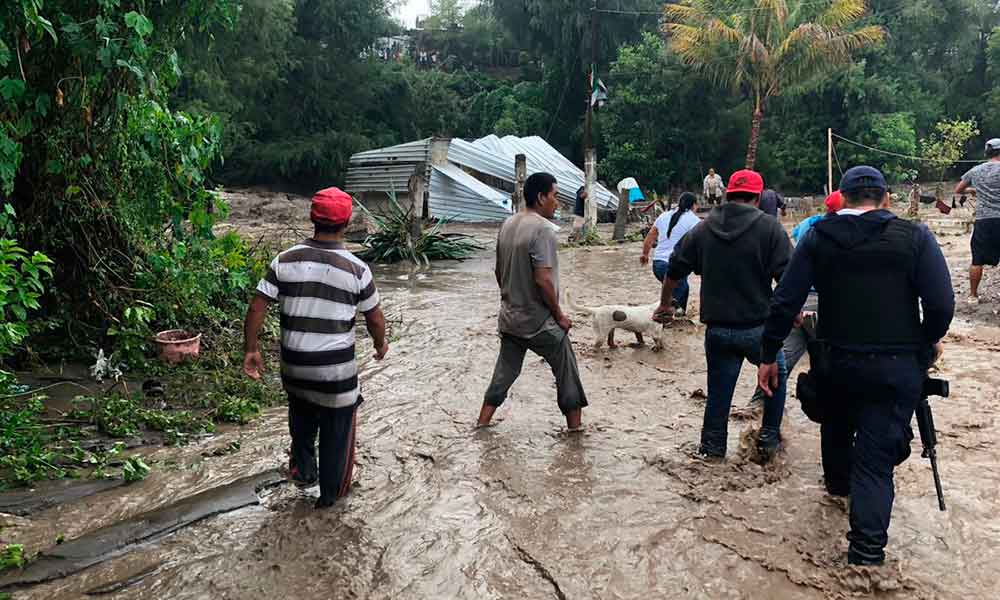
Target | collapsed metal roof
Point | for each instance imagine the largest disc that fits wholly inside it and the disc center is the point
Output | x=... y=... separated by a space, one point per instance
x=495 y=156
x=454 y=190
x=387 y=169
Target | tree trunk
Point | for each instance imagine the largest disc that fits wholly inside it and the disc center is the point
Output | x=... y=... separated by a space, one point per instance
x=758 y=118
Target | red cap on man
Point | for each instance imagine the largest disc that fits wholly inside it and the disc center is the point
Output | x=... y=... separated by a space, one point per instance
x=834 y=202
x=745 y=181
x=331 y=206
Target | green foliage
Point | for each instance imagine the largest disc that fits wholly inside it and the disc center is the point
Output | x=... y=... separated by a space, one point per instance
x=946 y=144
x=105 y=174
x=445 y=14
x=893 y=132
x=123 y=416
x=662 y=126
x=21 y=283
x=117 y=415
x=760 y=49
x=24 y=441
x=134 y=469
x=12 y=557
x=233 y=409
x=393 y=240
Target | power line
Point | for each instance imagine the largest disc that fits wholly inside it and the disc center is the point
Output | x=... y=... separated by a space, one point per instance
x=745 y=11
x=896 y=154
x=839 y=168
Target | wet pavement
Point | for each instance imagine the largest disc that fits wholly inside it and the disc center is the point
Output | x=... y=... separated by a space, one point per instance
x=525 y=510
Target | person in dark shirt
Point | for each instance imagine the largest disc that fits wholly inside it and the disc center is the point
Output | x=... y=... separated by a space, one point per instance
x=771 y=202
x=875 y=275
x=738 y=252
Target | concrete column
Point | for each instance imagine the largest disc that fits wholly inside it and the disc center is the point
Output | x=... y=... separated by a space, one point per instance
x=590 y=173
x=520 y=175
x=621 y=219
x=417 y=187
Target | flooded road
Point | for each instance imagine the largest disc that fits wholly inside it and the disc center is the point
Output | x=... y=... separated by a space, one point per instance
x=523 y=510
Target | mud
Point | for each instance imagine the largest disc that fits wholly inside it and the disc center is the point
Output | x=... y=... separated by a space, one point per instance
x=525 y=510
x=100 y=545
x=52 y=493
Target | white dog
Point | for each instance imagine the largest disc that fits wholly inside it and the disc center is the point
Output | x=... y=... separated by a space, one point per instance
x=637 y=319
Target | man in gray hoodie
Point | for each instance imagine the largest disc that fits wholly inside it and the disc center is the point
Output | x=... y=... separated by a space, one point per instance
x=738 y=251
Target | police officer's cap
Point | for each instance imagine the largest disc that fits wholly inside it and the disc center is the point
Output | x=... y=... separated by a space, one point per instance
x=857 y=178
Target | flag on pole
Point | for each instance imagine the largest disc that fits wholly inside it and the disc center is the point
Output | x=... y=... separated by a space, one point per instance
x=598 y=91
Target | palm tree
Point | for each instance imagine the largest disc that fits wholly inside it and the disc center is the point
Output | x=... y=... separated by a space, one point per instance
x=763 y=47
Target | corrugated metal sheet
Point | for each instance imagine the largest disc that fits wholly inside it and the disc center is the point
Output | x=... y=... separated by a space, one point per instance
x=386 y=169
x=379 y=178
x=408 y=152
x=458 y=196
x=495 y=156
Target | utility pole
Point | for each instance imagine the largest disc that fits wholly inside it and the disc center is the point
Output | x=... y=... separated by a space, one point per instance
x=587 y=133
x=829 y=160
x=589 y=154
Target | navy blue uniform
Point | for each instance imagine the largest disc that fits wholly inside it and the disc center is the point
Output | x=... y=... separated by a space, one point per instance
x=875 y=275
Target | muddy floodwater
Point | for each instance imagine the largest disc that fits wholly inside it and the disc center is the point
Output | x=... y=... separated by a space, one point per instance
x=524 y=510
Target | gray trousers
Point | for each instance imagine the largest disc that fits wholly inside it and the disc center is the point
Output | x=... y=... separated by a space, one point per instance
x=554 y=347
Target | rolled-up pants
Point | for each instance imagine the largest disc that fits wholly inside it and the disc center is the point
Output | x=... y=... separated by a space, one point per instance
x=554 y=347
x=872 y=398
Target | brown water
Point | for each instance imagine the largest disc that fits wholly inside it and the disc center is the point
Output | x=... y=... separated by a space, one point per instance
x=523 y=510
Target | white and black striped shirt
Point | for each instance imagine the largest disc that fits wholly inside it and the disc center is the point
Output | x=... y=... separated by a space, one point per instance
x=320 y=287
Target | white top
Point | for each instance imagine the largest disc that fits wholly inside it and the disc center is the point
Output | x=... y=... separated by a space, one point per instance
x=713 y=185
x=664 y=244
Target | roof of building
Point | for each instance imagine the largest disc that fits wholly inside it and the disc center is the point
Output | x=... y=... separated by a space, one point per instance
x=389 y=170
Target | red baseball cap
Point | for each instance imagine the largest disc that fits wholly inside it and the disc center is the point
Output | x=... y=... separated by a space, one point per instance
x=745 y=181
x=834 y=202
x=331 y=206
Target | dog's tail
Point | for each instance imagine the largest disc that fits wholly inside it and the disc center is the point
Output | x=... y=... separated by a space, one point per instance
x=577 y=308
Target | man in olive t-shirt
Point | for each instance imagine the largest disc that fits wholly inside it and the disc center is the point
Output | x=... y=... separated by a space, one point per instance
x=527 y=271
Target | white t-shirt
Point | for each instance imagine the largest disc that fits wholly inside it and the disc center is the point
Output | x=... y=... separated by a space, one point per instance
x=664 y=244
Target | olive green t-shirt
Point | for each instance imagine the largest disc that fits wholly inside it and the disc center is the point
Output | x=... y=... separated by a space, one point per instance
x=526 y=241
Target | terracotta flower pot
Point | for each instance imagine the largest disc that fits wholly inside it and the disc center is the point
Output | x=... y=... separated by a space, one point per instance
x=176 y=345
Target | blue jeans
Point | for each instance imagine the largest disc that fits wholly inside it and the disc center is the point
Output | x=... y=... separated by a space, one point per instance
x=725 y=351
x=682 y=290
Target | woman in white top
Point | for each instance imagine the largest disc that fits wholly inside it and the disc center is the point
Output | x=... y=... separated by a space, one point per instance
x=668 y=230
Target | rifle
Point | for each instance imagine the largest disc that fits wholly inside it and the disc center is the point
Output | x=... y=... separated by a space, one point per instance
x=925 y=422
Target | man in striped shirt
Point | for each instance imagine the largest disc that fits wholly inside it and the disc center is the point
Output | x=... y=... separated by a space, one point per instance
x=320 y=287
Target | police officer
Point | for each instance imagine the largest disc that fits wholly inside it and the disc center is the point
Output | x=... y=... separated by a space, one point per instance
x=874 y=273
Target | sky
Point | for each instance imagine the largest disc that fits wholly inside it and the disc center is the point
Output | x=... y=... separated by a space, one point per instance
x=409 y=10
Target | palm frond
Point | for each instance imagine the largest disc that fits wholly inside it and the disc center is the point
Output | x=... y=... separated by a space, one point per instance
x=842 y=13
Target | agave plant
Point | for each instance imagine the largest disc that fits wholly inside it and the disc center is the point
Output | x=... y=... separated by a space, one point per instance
x=394 y=241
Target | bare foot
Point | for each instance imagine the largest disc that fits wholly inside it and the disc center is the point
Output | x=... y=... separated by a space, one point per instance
x=574 y=420
x=485 y=415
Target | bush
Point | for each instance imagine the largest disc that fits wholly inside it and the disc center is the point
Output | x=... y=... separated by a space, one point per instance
x=135 y=469
x=237 y=410
x=24 y=442
x=21 y=285
x=393 y=241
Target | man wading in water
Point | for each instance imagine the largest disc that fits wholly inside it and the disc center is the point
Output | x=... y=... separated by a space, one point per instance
x=321 y=287
x=527 y=271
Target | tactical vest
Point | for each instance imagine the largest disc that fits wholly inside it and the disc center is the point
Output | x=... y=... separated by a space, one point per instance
x=867 y=294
